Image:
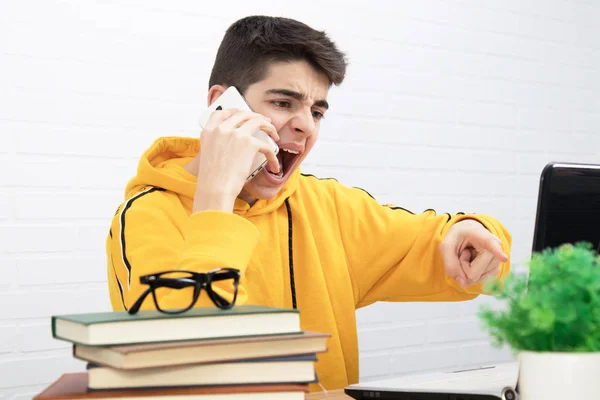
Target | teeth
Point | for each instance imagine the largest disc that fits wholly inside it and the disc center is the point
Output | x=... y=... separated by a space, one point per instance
x=291 y=151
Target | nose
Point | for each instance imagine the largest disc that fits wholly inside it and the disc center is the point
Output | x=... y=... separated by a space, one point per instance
x=303 y=123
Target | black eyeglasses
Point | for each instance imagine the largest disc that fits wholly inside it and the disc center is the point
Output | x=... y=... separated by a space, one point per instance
x=164 y=282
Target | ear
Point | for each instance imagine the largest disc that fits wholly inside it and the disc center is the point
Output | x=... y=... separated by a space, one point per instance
x=214 y=93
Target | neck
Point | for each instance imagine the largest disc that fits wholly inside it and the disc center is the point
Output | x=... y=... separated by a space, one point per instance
x=244 y=195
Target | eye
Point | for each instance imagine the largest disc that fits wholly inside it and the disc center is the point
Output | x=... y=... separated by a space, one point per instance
x=281 y=104
x=318 y=115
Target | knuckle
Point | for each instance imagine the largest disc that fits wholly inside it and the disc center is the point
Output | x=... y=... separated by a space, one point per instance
x=245 y=139
x=219 y=131
x=210 y=131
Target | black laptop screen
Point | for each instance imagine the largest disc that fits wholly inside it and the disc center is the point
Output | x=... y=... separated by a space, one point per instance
x=569 y=206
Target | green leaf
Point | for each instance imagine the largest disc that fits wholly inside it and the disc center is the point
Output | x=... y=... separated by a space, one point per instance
x=542 y=318
x=555 y=307
x=566 y=314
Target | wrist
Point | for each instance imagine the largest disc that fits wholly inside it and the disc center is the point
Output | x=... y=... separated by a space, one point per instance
x=212 y=201
x=470 y=221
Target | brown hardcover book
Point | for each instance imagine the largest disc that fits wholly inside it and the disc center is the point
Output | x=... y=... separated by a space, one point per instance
x=202 y=351
x=74 y=387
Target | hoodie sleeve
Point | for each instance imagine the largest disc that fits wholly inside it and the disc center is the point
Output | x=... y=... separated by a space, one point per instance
x=394 y=254
x=143 y=239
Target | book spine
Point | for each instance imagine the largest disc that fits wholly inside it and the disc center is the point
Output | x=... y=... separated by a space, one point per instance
x=53 y=327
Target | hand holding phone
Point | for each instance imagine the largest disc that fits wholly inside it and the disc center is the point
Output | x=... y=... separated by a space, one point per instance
x=232 y=99
x=233 y=149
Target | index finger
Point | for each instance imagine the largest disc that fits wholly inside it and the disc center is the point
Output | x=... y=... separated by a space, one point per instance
x=255 y=124
x=490 y=243
x=218 y=116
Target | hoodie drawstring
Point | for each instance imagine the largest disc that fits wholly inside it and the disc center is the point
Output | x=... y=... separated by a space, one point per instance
x=291 y=252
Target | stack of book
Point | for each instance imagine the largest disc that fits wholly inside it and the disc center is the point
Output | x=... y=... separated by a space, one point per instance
x=244 y=353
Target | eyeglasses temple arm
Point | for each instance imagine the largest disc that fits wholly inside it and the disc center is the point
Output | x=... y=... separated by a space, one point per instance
x=138 y=303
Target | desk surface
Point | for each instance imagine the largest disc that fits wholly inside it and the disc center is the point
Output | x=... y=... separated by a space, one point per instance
x=330 y=395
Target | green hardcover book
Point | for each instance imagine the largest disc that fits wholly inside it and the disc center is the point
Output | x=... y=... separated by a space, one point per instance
x=150 y=326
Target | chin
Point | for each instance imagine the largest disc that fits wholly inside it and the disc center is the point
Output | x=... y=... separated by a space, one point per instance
x=263 y=187
x=264 y=193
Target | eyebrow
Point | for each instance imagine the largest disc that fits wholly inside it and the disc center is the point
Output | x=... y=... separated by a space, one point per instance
x=298 y=96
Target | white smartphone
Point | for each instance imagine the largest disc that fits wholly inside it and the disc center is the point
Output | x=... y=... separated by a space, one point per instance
x=231 y=98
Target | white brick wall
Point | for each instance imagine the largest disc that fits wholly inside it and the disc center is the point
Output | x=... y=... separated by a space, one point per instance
x=455 y=105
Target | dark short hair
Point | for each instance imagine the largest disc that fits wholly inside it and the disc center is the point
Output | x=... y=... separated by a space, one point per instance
x=252 y=43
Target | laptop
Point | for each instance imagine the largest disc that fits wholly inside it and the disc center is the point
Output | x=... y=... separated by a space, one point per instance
x=568 y=211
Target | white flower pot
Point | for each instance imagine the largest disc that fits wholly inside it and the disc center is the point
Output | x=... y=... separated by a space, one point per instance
x=559 y=376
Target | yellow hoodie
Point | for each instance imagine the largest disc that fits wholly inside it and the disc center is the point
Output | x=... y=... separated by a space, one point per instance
x=322 y=247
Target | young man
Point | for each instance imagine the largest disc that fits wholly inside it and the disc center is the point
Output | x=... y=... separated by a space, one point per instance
x=298 y=241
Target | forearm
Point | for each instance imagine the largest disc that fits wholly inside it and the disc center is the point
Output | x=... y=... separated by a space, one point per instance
x=205 y=200
x=152 y=243
x=217 y=239
x=218 y=245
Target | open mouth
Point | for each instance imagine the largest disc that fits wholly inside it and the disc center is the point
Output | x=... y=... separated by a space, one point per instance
x=287 y=160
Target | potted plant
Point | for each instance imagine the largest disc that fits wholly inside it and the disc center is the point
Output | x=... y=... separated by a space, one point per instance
x=552 y=323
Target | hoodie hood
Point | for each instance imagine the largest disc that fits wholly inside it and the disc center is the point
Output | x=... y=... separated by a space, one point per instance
x=162 y=166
